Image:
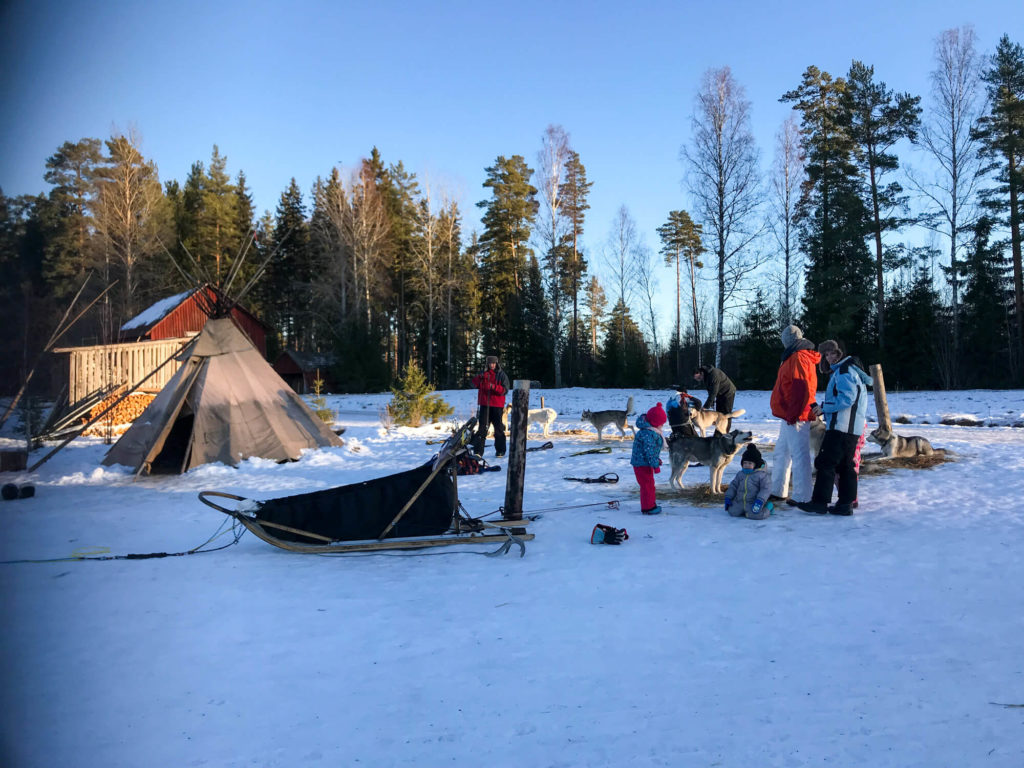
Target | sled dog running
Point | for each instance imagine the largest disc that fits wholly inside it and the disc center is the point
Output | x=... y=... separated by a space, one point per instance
x=618 y=419
x=715 y=452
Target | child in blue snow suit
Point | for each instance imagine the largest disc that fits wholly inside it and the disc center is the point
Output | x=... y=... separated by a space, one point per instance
x=646 y=458
x=749 y=490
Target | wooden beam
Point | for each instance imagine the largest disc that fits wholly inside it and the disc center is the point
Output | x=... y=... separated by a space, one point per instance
x=881 y=403
x=516 y=475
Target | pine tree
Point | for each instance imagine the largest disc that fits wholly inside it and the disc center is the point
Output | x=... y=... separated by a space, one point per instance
x=1002 y=136
x=681 y=239
x=918 y=329
x=574 y=192
x=72 y=172
x=832 y=218
x=879 y=119
x=624 y=357
x=287 y=284
x=988 y=303
x=504 y=251
x=758 y=348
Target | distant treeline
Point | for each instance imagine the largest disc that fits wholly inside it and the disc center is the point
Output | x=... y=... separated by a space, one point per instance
x=374 y=266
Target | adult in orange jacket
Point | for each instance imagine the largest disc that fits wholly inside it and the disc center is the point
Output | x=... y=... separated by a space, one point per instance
x=492 y=384
x=792 y=401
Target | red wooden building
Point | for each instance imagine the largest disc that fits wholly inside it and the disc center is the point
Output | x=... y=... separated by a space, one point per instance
x=146 y=345
x=182 y=315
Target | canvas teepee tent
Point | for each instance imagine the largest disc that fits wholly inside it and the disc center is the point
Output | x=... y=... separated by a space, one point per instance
x=224 y=404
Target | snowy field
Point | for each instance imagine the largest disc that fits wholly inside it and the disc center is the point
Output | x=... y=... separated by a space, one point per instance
x=891 y=638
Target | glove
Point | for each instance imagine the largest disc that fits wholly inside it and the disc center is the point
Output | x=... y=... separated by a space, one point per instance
x=657 y=470
x=728 y=503
x=605 y=534
x=757 y=506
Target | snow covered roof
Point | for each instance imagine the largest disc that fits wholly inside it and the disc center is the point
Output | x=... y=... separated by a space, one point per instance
x=156 y=312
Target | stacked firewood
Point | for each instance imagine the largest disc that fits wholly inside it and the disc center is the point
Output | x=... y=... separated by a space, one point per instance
x=121 y=415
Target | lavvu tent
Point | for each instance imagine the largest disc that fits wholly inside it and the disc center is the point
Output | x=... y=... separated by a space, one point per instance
x=224 y=404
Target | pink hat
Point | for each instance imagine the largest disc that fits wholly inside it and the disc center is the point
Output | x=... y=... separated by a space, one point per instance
x=656 y=416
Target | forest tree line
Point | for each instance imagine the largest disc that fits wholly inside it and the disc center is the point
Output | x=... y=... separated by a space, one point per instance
x=373 y=267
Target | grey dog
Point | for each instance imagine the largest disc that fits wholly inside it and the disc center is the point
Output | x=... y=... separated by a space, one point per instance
x=716 y=452
x=619 y=419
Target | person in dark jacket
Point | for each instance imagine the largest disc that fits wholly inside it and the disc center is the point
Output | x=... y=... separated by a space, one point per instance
x=492 y=384
x=721 y=390
x=678 y=410
x=844 y=410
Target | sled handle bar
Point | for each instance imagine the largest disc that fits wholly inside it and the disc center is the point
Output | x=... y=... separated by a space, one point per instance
x=218 y=507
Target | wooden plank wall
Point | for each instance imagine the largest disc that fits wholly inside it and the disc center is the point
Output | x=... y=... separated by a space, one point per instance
x=104 y=367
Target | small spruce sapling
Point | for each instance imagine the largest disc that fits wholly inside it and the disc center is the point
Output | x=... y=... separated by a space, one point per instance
x=327 y=415
x=413 y=401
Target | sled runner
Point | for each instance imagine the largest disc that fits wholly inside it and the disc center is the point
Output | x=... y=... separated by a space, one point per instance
x=409 y=510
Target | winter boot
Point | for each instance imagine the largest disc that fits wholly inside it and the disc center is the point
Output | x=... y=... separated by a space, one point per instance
x=655 y=510
x=841 y=509
x=815 y=507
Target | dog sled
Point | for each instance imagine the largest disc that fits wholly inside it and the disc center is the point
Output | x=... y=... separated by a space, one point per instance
x=409 y=510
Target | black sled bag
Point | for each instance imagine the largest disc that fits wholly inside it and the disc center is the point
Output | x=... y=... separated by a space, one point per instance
x=363 y=510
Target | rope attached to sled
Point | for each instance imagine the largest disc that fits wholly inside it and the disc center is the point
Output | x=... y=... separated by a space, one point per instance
x=237 y=530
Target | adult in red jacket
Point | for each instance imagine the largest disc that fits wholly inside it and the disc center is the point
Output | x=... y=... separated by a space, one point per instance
x=492 y=384
x=792 y=401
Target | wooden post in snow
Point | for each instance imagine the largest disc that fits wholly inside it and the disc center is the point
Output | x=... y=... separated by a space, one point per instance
x=513 y=509
x=881 y=403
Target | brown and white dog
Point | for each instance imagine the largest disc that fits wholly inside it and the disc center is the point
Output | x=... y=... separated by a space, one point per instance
x=703 y=418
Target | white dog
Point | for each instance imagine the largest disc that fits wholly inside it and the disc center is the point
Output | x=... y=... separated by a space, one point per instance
x=543 y=417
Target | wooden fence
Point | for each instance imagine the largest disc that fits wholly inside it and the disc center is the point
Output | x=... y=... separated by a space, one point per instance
x=105 y=367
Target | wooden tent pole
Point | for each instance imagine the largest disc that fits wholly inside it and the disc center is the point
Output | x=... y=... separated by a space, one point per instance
x=513 y=509
x=60 y=330
x=881 y=402
x=111 y=407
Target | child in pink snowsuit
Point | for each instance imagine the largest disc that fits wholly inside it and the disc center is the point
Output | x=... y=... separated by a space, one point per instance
x=646 y=458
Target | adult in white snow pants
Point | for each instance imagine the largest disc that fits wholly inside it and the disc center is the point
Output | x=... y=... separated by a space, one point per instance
x=793 y=402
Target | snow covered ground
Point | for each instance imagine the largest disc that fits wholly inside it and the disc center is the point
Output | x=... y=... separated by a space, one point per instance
x=891 y=638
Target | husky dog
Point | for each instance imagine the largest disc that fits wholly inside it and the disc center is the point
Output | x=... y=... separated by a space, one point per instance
x=817 y=435
x=715 y=451
x=897 y=447
x=543 y=417
x=619 y=419
x=702 y=418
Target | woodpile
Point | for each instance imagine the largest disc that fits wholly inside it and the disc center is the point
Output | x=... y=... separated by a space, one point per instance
x=121 y=415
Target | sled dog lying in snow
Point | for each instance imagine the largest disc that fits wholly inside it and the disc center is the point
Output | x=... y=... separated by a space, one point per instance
x=897 y=447
x=618 y=419
x=543 y=417
x=702 y=418
x=716 y=452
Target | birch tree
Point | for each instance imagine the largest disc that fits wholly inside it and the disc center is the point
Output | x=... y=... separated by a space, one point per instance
x=723 y=179
x=126 y=212
x=787 y=176
x=947 y=136
x=549 y=179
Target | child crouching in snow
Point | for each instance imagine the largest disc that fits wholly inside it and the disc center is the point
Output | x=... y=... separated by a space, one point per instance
x=646 y=458
x=748 y=492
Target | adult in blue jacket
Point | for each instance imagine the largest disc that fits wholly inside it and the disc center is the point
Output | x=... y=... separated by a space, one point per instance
x=844 y=409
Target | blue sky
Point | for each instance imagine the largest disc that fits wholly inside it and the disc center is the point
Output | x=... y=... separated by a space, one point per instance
x=291 y=89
